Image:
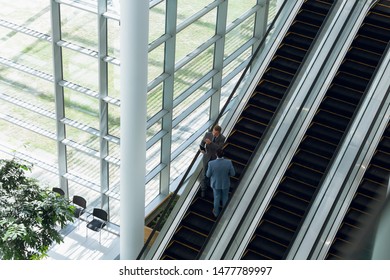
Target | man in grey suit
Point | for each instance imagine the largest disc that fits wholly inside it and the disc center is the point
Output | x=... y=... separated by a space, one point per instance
x=211 y=142
x=219 y=171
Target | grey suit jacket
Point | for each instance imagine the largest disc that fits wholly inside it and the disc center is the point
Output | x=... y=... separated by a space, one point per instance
x=219 y=171
x=211 y=149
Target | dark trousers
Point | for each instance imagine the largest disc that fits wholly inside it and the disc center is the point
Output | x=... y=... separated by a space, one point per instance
x=205 y=183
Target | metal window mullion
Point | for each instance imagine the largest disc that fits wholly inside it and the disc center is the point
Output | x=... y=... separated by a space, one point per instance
x=198 y=15
x=103 y=105
x=26 y=69
x=194 y=54
x=77 y=5
x=76 y=48
x=157 y=81
x=168 y=88
x=196 y=104
x=156 y=118
x=195 y=86
x=59 y=95
x=244 y=16
x=25 y=30
x=218 y=58
x=261 y=20
x=154 y=3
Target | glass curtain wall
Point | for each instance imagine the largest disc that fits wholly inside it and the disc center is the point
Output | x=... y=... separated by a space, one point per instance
x=59 y=86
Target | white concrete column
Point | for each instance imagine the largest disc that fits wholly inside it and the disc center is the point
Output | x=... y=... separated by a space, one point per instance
x=134 y=27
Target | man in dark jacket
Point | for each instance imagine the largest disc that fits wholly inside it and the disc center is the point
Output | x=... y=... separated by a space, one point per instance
x=211 y=142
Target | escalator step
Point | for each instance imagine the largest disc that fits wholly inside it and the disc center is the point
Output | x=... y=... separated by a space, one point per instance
x=239 y=168
x=345 y=94
x=291 y=52
x=366 y=57
x=278 y=77
x=197 y=223
x=295 y=188
x=357 y=68
x=321 y=147
x=355 y=217
x=271 y=89
x=377 y=33
x=380 y=8
x=317 y=6
x=339 y=248
x=331 y=120
x=290 y=203
x=282 y=217
x=304 y=174
x=274 y=232
x=351 y=81
x=298 y=40
x=264 y=101
x=284 y=64
x=379 y=20
x=338 y=106
x=312 y=160
x=308 y=16
x=240 y=155
x=385 y=144
x=382 y=159
x=342 y=250
x=332 y=257
x=377 y=174
x=178 y=251
x=251 y=255
x=190 y=238
x=387 y=131
x=359 y=250
x=372 y=189
x=347 y=232
x=203 y=207
x=257 y=114
x=266 y=247
x=243 y=140
x=366 y=44
x=326 y=133
x=304 y=28
x=362 y=203
x=166 y=257
x=255 y=128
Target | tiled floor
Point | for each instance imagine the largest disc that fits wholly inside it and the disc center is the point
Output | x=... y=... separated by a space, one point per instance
x=77 y=246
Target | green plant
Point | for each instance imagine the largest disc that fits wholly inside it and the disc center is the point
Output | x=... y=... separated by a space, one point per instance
x=29 y=214
x=164 y=218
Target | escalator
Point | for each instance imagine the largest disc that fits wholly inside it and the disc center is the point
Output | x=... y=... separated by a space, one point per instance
x=352 y=240
x=297 y=189
x=247 y=133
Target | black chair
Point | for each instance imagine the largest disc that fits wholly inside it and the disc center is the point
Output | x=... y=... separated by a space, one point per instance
x=99 y=221
x=80 y=205
x=59 y=191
